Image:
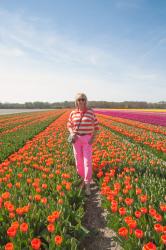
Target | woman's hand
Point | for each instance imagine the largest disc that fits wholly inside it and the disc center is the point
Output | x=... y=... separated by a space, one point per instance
x=74 y=136
x=93 y=137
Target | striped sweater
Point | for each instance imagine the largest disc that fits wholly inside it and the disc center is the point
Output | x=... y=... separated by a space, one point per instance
x=88 y=124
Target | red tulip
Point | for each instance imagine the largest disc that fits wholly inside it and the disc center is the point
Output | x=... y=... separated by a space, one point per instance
x=51 y=228
x=143 y=210
x=24 y=227
x=158 y=228
x=122 y=210
x=58 y=240
x=143 y=198
x=123 y=231
x=132 y=224
x=138 y=191
x=129 y=201
x=139 y=233
x=11 y=232
x=149 y=246
x=158 y=217
x=137 y=214
x=36 y=243
x=163 y=238
x=9 y=246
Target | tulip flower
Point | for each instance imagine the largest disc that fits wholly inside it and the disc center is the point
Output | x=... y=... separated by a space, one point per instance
x=123 y=231
x=36 y=243
x=149 y=246
x=58 y=240
x=9 y=246
x=138 y=233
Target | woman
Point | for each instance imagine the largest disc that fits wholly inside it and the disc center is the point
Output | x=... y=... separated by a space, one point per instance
x=83 y=126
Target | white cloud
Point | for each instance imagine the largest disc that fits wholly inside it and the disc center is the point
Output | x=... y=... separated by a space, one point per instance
x=37 y=63
x=54 y=47
x=142 y=76
x=10 y=52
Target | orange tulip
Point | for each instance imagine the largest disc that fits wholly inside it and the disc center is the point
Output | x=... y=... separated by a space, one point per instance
x=158 y=217
x=44 y=200
x=56 y=214
x=9 y=246
x=11 y=215
x=51 y=219
x=58 y=240
x=129 y=201
x=11 y=232
x=149 y=246
x=164 y=229
x=44 y=186
x=138 y=191
x=123 y=231
x=114 y=208
x=24 y=227
x=163 y=207
x=127 y=219
x=51 y=228
x=132 y=224
x=37 y=197
x=158 y=228
x=60 y=201
x=68 y=186
x=9 y=185
x=20 y=211
x=36 y=243
x=15 y=224
x=152 y=212
x=122 y=210
x=143 y=198
x=138 y=233
x=137 y=214
x=59 y=187
x=163 y=239
x=143 y=210
x=5 y=196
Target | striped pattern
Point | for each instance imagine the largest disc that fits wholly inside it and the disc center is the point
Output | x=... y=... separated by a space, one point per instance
x=88 y=124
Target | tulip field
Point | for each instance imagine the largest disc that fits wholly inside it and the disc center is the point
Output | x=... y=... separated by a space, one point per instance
x=16 y=129
x=41 y=206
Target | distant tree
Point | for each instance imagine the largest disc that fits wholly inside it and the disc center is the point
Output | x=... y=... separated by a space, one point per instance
x=93 y=104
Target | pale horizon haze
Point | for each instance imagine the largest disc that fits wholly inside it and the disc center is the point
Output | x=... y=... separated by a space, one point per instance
x=112 y=50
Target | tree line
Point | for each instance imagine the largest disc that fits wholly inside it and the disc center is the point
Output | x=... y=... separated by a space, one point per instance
x=92 y=104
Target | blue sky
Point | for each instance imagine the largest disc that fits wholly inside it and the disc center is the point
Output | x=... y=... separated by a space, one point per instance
x=113 y=50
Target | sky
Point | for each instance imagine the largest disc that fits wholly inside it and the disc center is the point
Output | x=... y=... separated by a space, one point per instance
x=112 y=50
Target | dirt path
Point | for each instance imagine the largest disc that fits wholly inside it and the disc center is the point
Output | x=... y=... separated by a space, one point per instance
x=100 y=236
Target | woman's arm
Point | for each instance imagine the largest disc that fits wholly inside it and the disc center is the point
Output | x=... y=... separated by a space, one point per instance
x=96 y=129
x=70 y=124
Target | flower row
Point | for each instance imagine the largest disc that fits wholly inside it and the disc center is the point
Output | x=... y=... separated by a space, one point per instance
x=155 y=141
x=39 y=203
x=132 y=186
x=11 y=140
x=156 y=118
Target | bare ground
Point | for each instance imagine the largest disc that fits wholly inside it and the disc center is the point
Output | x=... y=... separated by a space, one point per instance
x=100 y=236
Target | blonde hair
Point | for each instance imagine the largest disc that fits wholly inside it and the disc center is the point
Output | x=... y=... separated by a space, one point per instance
x=82 y=95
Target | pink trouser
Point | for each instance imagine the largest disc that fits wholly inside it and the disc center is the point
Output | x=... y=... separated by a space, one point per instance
x=83 y=157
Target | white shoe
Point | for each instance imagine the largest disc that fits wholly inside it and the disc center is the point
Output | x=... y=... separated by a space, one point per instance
x=87 y=189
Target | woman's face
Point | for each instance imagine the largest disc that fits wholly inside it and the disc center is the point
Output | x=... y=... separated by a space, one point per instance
x=81 y=102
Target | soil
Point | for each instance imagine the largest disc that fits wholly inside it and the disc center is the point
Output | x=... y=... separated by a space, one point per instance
x=100 y=236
